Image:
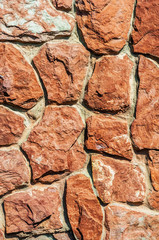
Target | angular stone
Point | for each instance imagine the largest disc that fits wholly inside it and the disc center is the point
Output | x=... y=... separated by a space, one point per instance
x=108 y=134
x=154 y=168
x=109 y=86
x=64 y=236
x=11 y=126
x=32 y=21
x=34 y=209
x=14 y=171
x=104 y=24
x=63 y=4
x=83 y=209
x=117 y=180
x=18 y=83
x=145 y=128
x=146 y=32
x=52 y=148
x=62 y=68
x=154 y=200
x=128 y=223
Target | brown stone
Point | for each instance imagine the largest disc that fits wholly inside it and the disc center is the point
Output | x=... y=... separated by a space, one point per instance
x=109 y=135
x=84 y=211
x=145 y=128
x=117 y=180
x=18 y=83
x=128 y=223
x=62 y=4
x=34 y=209
x=33 y=21
x=52 y=148
x=146 y=31
x=104 y=24
x=64 y=236
x=11 y=126
x=154 y=168
x=62 y=68
x=154 y=200
x=109 y=86
x=14 y=171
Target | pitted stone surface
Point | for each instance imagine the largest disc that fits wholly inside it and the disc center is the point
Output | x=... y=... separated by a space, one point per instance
x=109 y=86
x=64 y=236
x=52 y=146
x=154 y=168
x=32 y=21
x=145 y=128
x=104 y=24
x=63 y=4
x=18 y=83
x=62 y=68
x=109 y=135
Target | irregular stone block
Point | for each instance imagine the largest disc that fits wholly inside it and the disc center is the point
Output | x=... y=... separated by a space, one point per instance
x=63 y=4
x=154 y=168
x=154 y=200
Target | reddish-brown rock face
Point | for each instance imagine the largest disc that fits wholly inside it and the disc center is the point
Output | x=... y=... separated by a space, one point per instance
x=33 y=210
x=108 y=134
x=64 y=236
x=63 y=4
x=52 y=148
x=125 y=223
x=146 y=32
x=154 y=168
x=18 y=83
x=32 y=21
x=84 y=211
x=14 y=171
x=104 y=24
x=62 y=67
x=145 y=128
x=117 y=180
x=109 y=86
x=154 y=200
x=11 y=126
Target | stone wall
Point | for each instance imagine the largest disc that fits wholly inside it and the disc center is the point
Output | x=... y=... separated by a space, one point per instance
x=79 y=119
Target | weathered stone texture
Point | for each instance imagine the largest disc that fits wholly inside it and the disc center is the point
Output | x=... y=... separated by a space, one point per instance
x=109 y=86
x=125 y=223
x=145 y=128
x=52 y=146
x=104 y=24
x=84 y=211
x=18 y=83
x=154 y=168
x=62 y=68
x=108 y=134
x=32 y=21
x=117 y=180
x=63 y=4
x=11 y=126
x=146 y=31
x=154 y=200
x=64 y=236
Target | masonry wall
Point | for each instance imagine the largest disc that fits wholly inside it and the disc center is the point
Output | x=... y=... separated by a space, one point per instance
x=79 y=119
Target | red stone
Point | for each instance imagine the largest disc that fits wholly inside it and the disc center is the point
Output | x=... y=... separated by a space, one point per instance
x=154 y=168
x=33 y=21
x=64 y=236
x=109 y=86
x=63 y=4
x=146 y=32
x=109 y=135
x=83 y=209
x=52 y=148
x=62 y=67
x=145 y=128
x=11 y=126
x=18 y=83
x=154 y=200
x=117 y=180
x=104 y=24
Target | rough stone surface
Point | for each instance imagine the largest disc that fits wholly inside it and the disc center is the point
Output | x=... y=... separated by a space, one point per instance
x=146 y=31
x=52 y=148
x=125 y=223
x=64 y=236
x=117 y=180
x=32 y=21
x=13 y=171
x=84 y=211
x=154 y=168
x=145 y=128
x=1 y=235
x=62 y=68
x=154 y=200
x=63 y=4
x=109 y=86
x=34 y=209
x=108 y=134
x=18 y=83
x=11 y=126
x=104 y=24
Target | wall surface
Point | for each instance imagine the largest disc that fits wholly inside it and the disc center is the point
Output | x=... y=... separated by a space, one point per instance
x=79 y=119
